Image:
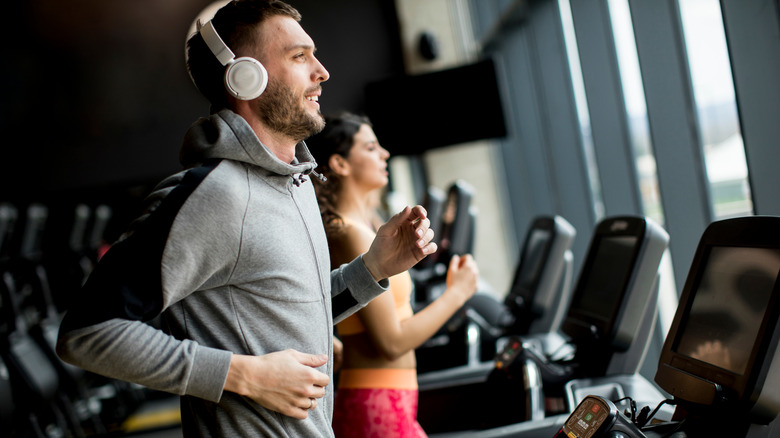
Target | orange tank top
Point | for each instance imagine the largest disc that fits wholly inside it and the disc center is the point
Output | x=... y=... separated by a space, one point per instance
x=400 y=287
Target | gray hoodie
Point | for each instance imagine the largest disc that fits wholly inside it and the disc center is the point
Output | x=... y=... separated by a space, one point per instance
x=233 y=255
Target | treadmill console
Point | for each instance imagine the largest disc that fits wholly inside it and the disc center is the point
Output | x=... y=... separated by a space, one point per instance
x=508 y=354
x=597 y=417
x=515 y=355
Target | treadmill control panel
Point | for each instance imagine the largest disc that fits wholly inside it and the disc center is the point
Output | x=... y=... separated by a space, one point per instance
x=509 y=353
x=592 y=416
x=597 y=417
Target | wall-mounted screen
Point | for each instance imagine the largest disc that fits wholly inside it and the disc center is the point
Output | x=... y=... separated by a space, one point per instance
x=414 y=113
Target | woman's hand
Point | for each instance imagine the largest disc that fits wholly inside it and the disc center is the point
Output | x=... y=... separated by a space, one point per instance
x=462 y=277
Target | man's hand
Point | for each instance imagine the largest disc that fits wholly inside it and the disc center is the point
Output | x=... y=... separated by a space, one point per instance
x=400 y=243
x=285 y=381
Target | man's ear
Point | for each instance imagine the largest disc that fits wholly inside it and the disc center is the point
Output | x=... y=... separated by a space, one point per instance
x=338 y=165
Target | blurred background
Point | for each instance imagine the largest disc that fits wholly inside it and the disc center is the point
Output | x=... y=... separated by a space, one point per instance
x=96 y=97
x=660 y=108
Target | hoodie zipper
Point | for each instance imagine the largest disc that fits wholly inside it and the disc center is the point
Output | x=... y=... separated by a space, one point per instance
x=297 y=183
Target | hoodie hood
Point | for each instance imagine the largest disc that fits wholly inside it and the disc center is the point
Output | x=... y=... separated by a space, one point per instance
x=226 y=135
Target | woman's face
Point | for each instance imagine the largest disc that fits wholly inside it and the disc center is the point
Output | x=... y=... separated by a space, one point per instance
x=368 y=160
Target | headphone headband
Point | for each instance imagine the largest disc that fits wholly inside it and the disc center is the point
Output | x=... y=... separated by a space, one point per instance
x=215 y=43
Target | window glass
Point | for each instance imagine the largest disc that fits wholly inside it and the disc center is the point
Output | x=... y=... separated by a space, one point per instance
x=581 y=102
x=641 y=143
x=636 y=108
x=713 y=90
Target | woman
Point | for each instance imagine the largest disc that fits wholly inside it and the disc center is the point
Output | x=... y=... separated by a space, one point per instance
x=377 y=388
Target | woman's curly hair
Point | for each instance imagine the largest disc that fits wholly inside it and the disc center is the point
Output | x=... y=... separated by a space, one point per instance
x=338 y=137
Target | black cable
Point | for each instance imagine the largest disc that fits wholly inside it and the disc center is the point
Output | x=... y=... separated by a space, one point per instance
x=655 y=411
x=632 y=404
x=621 y=399
x=641 y=419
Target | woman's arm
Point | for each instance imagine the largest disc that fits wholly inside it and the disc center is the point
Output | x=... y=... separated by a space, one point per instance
x=391 y=337
x=394 y=338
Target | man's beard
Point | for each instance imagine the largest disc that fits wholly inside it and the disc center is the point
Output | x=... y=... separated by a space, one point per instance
x=280 y=110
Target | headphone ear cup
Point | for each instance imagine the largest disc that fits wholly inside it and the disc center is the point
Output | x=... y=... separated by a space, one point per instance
x=246 y=78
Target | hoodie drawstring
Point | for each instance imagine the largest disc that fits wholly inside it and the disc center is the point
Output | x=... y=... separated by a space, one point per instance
x=319 y=176
x=302 y=179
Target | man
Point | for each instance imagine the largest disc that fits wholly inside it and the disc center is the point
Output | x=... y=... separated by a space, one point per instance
x=232 y=252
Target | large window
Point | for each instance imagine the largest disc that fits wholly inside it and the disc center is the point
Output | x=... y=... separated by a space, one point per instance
x=581 y=101
x=713 y=90
x=636 y=108
x=641 y=143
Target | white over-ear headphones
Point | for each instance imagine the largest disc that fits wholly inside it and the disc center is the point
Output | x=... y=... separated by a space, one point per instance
x=245 y=77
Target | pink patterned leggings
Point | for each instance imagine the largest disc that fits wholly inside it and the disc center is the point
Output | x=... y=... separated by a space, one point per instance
x=375 y=412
